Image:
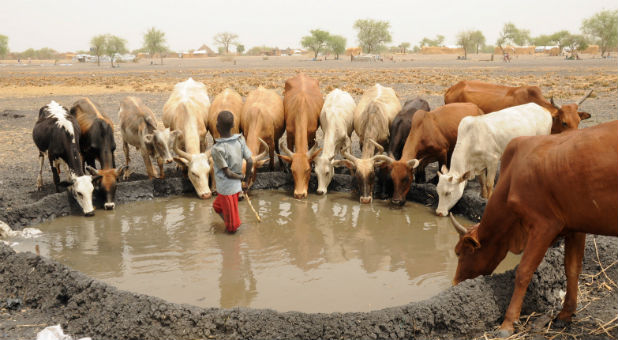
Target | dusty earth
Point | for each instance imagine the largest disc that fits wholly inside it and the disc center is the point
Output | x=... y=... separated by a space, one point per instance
x=49 y=293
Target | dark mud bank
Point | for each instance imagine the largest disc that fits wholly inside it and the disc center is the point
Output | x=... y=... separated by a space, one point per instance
x=87 y=307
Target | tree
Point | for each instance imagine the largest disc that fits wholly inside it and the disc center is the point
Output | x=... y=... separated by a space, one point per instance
x=604 y=27
x=575 y=42
x=404 y=46
x=154 y=42
x=336 y=44
x=438 y=41
x=464 y=39
x=240 y=48
x=510 y=34
x=4 y=45
x=372 y=34
x=97 y=46
x=316 y=41
x=478 y=40
x=225 y=39
x=114 y=45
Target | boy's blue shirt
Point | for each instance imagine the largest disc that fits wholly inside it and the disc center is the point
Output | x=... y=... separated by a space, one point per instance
x=229 y=153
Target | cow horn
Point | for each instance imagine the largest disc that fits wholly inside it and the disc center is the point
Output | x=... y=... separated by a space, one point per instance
x=266 y=150
x=179 y=152
x=347 y=155
x=384 y=158
x=285 y=149
x=461 y=230
x=584 y=98
x=312 y=150
x=551 y=100
x=380 y=147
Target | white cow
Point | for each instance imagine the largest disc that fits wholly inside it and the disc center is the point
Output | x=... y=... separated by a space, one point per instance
x=480 y=143
x=187 y=111
x=337 y=122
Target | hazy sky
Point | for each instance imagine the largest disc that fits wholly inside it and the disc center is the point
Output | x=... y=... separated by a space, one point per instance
x=68 y=25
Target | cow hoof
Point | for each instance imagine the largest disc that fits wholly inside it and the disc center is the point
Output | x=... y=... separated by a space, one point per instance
x=503 y=333
x=559 y=323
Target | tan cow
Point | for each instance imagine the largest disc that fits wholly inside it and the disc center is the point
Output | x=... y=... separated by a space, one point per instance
x=186 y=110
x=302 y=103
x=262 y=123
x=227 y=100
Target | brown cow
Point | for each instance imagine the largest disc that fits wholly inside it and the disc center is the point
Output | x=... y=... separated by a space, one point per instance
x=549 y=186
x=262 y=120
x=492 y=97
x=97 y=143
x=227 y=100
x=432 y=138
x=302 y=103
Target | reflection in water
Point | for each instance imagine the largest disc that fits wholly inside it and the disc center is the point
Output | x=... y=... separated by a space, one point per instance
x=315 y=255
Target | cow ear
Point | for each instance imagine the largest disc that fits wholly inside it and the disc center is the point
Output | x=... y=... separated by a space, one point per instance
x=584 y=115
x=315 y=154
x=344 y=162
x=148 y=138
x=120 y=170
x=96 y=180
x=465 y=176
x=65 y=184
x=412 y=164
x=261 y=162
x=181 y=161
x=285 y=158
x=444 y=169
x=472 y=241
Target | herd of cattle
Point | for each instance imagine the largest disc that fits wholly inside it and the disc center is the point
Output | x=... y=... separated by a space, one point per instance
x=555 y=179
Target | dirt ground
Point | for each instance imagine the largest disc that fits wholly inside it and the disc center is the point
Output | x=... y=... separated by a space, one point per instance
x=25 y=88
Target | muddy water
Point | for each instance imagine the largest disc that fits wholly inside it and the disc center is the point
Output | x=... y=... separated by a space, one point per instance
x=323 y=254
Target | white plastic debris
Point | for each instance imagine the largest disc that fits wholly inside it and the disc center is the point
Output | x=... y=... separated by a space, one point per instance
x=54 y=333
x=7 y=232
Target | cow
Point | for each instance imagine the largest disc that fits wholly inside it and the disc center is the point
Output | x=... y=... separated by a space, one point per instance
x=400 y=127
x=140 y=128
x=549 y=186
x=372 y=117
x=186 y=111
x=337 y=123
x=302 y=103
x=97 y=143
x=480 y=143
x=227 y=100
x=432 y=138
x=262 y=124
x=492 y=97
x=56 y=133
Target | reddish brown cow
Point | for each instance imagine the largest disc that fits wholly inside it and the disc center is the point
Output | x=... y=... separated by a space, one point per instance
x=550 y=186
x=302 y=103
x=432 y=138
x=227 y=100
x=492 y=97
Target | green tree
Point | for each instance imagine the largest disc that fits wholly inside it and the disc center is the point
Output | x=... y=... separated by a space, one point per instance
x=154 y=42
x=372 y=34
x=510 y=34
x=478 y=40
x=4 y=46
x=603 y=27
x=560 y=38
x=316 y=41
x=114 y=45
x=464 y=39
x=336 y=44
x=97 y=46
x=404 y=46
x=240 y=48
x=225 y=39
x=575 y=43
x=438 y=41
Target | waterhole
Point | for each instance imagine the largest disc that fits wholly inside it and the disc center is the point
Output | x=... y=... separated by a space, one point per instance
x=321 y=254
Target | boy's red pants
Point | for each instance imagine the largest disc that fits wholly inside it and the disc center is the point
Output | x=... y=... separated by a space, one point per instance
x=227 y=205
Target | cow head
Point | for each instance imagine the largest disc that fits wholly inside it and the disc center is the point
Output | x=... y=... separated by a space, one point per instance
x=160 y=141
x=300 y=164
x=80 y=187
x=258 y=162
x=473 y=258
x=105 y=180
x=363 y=170
x=402 y=174
x=198 y=169
x=325 y=170
x=567 y=116
x=450 y=189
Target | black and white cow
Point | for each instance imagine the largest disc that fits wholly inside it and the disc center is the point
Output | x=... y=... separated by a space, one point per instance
x=56 y=133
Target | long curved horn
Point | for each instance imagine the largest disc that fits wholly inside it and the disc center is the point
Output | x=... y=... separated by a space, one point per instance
x=380 y=147
x=285 y=149
x=266 y=150
x=384 y=158
x=461 y=230
x=347 y=155
x=551 y=100
x=179 y=152
x=584 y=98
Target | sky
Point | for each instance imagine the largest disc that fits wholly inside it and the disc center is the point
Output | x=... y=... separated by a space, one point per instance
x=68 y=25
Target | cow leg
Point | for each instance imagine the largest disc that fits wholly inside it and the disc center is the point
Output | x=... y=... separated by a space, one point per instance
x=39 y=179
x=127 y=159
x=160 y=164
x=574 y=246
x=536 y=246
x=55 y=174
x=273 y=156
x=148 y=164
x=483 y=183
x=492 y=169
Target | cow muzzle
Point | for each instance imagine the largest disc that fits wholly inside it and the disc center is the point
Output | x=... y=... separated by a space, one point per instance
x=109 y=206
x=320 y=191
x=398 y=202
x=366 y=199
x=168 y=160
x=89 y=214
x=300 y=195
x=206 y=196
x=441 y=213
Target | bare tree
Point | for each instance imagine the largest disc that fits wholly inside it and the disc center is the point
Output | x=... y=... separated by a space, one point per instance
x=225 y=39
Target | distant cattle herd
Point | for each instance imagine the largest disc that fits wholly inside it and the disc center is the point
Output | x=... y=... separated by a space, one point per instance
x=555 y=179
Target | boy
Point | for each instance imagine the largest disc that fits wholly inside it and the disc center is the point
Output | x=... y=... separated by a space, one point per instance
x=227 y=155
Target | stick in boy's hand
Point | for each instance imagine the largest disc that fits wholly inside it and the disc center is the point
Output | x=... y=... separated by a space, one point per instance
x=252 y=208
